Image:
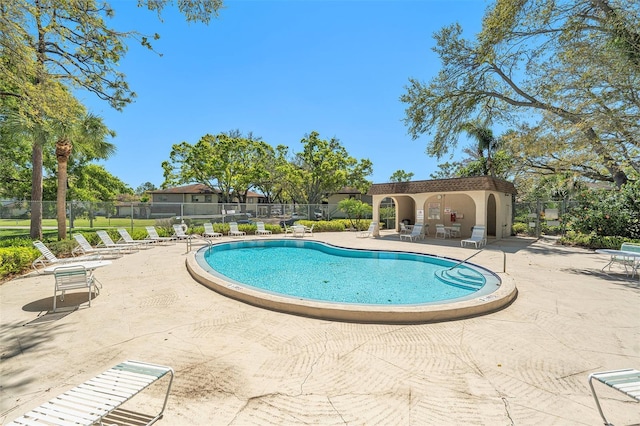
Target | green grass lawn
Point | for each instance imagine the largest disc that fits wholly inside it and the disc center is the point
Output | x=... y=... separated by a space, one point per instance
x=98 y=222
x=50 y=226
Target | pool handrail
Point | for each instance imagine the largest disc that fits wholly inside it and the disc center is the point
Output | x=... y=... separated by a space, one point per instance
x=504 y=260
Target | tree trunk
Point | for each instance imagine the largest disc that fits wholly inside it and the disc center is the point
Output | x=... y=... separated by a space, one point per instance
x=36 y=192
x=63 y=152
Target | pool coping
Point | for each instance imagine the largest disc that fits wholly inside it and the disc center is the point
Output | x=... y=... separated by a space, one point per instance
x=379 y=314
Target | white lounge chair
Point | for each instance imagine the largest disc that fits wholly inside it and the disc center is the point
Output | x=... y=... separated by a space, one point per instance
x=107 y=242
x=126 y=238
x=478 y=238
x=72 y=278
x=49 y=258
x=626 y=381
x=416 y=233
x=209 y=232
x=261 y=229
x=234 y=231
x=154 y=236
x=96 y=401
x=85 y=248
x=179 y=232
x=368 y=232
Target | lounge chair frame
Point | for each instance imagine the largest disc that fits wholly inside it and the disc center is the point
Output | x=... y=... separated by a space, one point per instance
x=209 y=231
x=85 y=247
x=368 y=232
x=97 y=400
x=153 y=236
x=478 y=237
x=626 y=381
x=49 y=258
x=126 y=238
x=417 y=233
x=234 y=231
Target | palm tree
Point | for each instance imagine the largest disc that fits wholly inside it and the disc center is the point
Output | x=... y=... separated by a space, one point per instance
x=90 y=135
x=485 y=142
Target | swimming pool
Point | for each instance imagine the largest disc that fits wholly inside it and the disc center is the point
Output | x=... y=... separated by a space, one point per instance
x=320 y=280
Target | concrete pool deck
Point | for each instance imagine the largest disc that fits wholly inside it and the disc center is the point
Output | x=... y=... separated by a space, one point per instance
x=236 y=364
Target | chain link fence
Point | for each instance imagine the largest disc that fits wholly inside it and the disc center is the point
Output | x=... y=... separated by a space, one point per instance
x=85 y=214
x=541 y=217
x=530 y=218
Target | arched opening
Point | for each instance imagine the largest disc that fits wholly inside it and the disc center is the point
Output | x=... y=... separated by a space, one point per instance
x=405 y=209
x=491 y=215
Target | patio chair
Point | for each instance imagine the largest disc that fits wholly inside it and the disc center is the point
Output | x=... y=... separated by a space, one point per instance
x=626 y=381
x=234 y=231
x=442 y=231
x=288 y=230
x=309 y=230
x=209 y=232
x=477 y=238
x=154 y=236
x=416 y=233
x=125 y=238
x=85 y=248
x=455 y=230
x=261 y=229
x=107 y=242
x=49 y=258
x=368 y=232
x=403 y=229
x=72 y=278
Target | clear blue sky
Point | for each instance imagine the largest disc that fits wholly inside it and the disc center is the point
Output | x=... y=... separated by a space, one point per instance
x=280 y=69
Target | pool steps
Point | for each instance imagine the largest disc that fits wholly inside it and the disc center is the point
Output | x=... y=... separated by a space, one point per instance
x=461 y=277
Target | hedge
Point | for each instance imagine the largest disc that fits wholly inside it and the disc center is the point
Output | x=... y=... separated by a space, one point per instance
x=14 y=260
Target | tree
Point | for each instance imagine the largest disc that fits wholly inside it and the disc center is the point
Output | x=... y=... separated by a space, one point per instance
x=230 y=164
x=607 y=212
x=144 y=188
x=89 y=136
x=447 y=170
x=401 y=176
x=564 y=74
x=485 y=142
x=15 y=164
x=355 y=210
x=47 y=44
x=324 y=167
x=272 y=182
x=92 y=182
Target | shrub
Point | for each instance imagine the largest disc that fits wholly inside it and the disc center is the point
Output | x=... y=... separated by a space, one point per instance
x=595 y=241
x=14 y=260
x=608 y=212
x=519 y=228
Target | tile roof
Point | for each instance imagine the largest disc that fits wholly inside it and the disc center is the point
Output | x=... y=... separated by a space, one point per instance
x=476 y=183
x=197 y=188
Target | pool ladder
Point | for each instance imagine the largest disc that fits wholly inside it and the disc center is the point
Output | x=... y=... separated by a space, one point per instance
x=199 y=237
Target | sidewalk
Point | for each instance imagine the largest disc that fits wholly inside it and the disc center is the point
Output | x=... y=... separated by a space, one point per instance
x=237 y=364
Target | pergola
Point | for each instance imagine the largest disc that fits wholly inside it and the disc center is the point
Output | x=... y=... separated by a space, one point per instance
x=481 y=200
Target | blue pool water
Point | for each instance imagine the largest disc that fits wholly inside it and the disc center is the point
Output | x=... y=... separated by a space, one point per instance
x=318 y=271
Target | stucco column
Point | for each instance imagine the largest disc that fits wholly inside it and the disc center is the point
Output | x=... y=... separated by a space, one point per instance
x=377 y=199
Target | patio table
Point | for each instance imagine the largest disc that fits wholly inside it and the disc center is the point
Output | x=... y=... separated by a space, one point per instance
x=626 y=258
